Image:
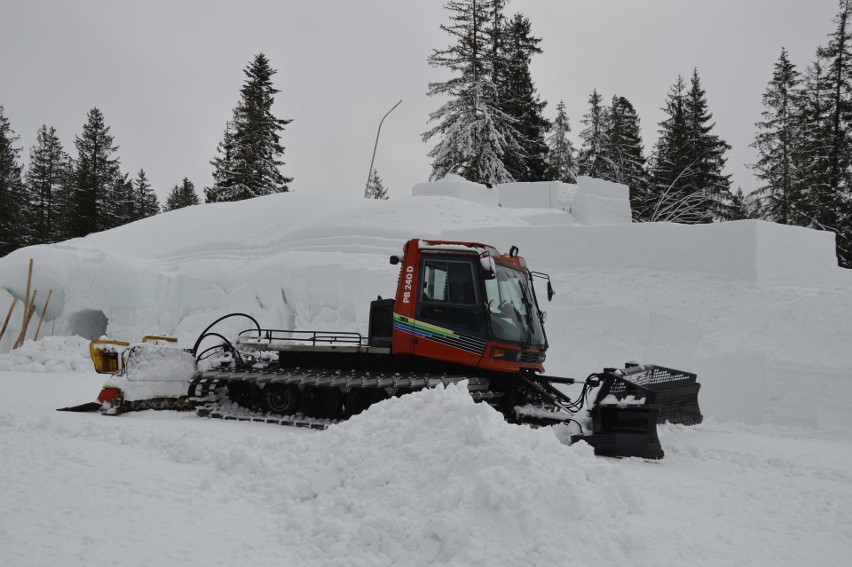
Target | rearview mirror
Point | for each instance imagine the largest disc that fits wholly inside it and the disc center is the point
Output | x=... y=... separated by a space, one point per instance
x=550 y=292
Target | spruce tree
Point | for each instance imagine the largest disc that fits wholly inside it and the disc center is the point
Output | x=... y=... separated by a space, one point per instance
x=256 y=153
x=593 y=159
x=832 y=199
x=90 y=207
x=561 y=160
x=146 y=202
x=520 y=100
x=475 y=134
x=375 y=187
x=672 y=166
x=778 y=143
x=182 y=195
x=224 y=172
x=627 y=154
x=122 y=202
x=708 y=154
x=46 y=177
x=14 y=230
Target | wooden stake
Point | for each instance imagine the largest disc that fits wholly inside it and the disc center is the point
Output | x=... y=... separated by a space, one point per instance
x=43 y=311
x=27 y=296
x=8 y=316
x=27 y=316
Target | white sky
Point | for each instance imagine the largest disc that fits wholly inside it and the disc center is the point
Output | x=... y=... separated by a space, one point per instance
x=166 y=74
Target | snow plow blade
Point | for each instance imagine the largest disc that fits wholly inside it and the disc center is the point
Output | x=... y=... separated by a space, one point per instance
x=632 y=401
x=91 y=406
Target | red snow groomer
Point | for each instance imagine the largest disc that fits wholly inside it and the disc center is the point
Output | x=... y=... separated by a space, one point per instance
x=462 y=312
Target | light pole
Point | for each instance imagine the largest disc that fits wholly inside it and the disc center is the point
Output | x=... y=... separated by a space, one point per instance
x=376 y=145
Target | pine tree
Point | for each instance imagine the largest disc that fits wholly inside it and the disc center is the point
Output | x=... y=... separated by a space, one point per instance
x=14 y=231
x=520 y=100
x=146 y=202
x=256 y=155
x=832 y=199
x=687 y=182
x=224 y=171
x=46 y=177
x=561 y=161
x=778 y=143
x=708 y=153
x=90 y=208
x=182 y=195
x=627 y=155
x=375 y=187
x=475 y=134
x=122 y=203
x=593 y=159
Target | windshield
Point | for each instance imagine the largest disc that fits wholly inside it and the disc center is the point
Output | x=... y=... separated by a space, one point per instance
x=512 y=310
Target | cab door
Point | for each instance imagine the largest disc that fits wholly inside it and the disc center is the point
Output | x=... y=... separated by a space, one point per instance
x=450 y=316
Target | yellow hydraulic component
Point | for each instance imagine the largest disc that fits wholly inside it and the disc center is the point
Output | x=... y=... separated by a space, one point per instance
x=106 y=360
x=154 y=338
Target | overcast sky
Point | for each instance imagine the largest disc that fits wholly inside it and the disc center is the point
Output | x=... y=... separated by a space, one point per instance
x=167 y=74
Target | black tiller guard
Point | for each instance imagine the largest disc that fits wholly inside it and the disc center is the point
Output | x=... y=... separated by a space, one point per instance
x=628 y=431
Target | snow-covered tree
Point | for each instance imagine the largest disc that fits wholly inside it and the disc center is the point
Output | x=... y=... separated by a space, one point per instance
x=375 y=187
x=561 y=155
x=13 y=204
x=251 y=155
x=181 y=195
x=46 y=178
x=475 y=134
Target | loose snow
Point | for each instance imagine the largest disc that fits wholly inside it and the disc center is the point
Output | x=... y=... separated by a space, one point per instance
x=761 y=312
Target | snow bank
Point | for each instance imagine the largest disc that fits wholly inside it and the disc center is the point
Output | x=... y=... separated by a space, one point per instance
x=50 y=354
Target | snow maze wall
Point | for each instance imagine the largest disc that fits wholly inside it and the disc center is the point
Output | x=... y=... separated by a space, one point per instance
x=760 y=311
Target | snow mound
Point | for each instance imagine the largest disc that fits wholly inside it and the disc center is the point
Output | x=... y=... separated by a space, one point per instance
x=434 y=478
x=50 y=354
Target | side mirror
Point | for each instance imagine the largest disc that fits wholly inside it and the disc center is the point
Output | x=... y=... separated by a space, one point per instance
x=550 y=292
x=489 y=270
x=394 y=260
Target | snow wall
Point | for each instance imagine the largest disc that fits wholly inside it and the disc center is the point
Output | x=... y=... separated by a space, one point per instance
x=759 y=311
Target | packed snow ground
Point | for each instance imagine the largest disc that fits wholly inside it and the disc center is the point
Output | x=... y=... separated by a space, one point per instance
x=760 y=312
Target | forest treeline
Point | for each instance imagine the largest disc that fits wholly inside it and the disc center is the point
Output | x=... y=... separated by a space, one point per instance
x=492 y=127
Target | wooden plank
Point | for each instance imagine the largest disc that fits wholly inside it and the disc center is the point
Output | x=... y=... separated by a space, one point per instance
x=43 y=311
x=8 y=316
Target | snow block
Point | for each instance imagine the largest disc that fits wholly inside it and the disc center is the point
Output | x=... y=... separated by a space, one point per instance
x=539 y=195
x=601 y=202
x=454 y=186
x=757 y=251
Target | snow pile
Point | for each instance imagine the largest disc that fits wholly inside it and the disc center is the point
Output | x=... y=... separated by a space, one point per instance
x=50 y=354
x=433 y=478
